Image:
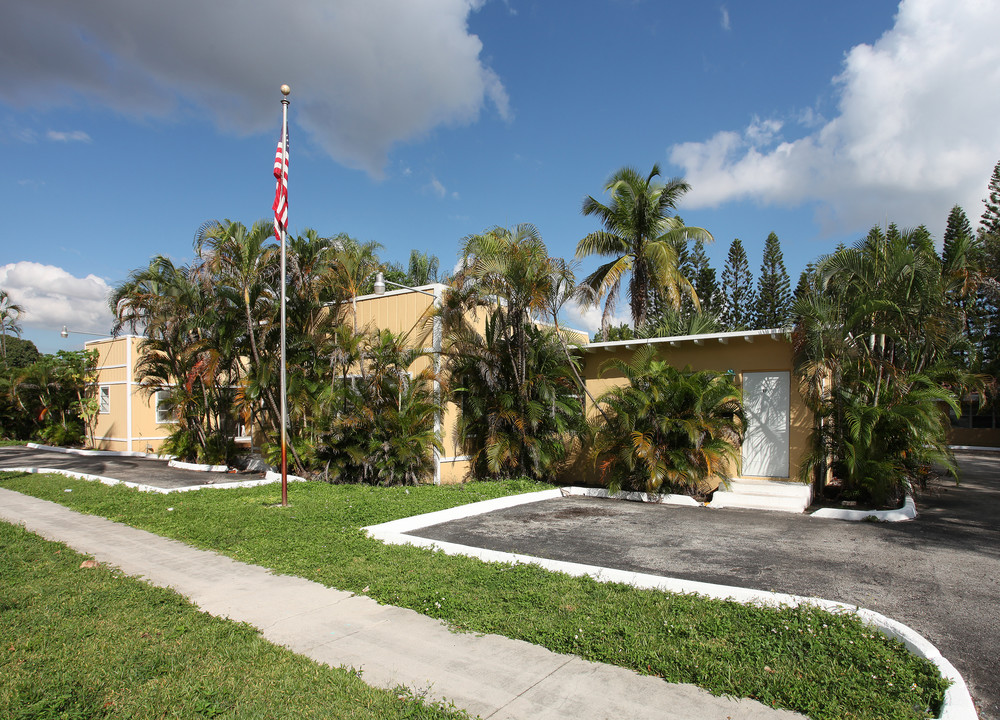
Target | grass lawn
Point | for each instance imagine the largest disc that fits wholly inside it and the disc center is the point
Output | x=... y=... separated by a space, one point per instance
x=823 y=665
x=83 y=644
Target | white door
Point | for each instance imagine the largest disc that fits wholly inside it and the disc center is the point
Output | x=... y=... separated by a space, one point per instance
x=766 y=403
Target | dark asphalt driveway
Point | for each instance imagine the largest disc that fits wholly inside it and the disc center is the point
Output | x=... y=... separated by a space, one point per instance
x=939 y=574
x=145 y=471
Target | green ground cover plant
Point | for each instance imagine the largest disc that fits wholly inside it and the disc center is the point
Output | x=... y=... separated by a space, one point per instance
x=88 y=644
x=823 y=665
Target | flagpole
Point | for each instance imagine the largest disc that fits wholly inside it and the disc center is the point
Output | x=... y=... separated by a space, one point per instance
x=285 y=90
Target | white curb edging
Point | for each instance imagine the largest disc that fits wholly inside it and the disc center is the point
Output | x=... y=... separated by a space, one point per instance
x=404 y=525
x=975 y=448
x=84 y=476
x=907 y=512
x=957 y=703
x=668 y=499
x=99 y=453
x=268 y=479
x=173 y=461
x=407 y=524
x=180 y=464
x=271 y=476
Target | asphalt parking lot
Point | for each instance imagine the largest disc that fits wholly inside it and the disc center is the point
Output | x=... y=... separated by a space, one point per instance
x=144 y=471
x=939 y=574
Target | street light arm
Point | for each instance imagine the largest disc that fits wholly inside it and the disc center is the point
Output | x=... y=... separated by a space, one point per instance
x=65 y=332
x=381 y=282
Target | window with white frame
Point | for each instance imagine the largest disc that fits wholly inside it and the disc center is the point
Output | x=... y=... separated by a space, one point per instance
x=163 y=413
x=104 y=398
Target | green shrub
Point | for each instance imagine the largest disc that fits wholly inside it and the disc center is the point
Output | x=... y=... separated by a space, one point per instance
x=668 y=430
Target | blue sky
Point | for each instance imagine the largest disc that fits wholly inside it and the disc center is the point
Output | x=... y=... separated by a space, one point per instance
x=125 y=125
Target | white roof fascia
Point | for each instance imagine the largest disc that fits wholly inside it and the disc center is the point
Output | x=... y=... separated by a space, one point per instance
x=427 y=288
x=678 y=339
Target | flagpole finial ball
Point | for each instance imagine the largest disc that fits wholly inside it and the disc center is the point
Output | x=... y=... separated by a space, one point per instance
x=285 y=90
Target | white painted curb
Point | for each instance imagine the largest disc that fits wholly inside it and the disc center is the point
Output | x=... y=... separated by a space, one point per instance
x=404 y=525
x=173 y=461
x=668 y=499
x=268 y=479
x=975 y=448
x=84 y=476
x=907 y=512
x=198 y=466
x=957 y=704
x=271 y=476
x=99 y=453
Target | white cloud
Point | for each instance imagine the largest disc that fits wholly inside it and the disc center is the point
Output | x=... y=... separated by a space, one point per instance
x=365 y=74
x=915 y=130
x=725 y=18
x=762 y=132
x=71 y=136
x=437 y=188
x=53 y=297
x=588 y=317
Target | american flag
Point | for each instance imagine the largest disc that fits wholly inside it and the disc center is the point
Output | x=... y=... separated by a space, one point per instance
x=281 y=187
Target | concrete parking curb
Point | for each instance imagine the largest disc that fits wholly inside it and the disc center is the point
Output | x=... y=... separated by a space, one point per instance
x=667 y=499
x=98 y=453
x=903 y=514
x=269 y=479
x=198 y=467
x=958 y=704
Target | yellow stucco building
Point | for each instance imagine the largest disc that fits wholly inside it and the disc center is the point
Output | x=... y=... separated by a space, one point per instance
x=127 y=420
x=761 y=362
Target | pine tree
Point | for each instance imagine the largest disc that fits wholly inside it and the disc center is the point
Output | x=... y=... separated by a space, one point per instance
x=922 y=242
x=958 y=226
x=806 y=284
x=989 y=223
x=705 y=283
x=737 y=289
x=774 y=299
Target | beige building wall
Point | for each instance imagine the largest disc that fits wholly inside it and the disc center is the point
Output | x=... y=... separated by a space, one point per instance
x=756 y=351
x=410 y=313
x=129 y=425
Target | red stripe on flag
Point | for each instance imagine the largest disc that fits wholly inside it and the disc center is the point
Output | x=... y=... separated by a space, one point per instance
x=280 y=205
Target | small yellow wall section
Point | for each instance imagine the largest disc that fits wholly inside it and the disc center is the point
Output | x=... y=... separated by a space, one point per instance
x=131 y=423
x=409 y=313
x=763 y=353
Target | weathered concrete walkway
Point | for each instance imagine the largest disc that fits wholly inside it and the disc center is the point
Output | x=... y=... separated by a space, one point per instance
x=490 y=676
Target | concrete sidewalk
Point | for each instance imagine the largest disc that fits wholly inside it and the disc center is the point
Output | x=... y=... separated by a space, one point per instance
x=490 y=676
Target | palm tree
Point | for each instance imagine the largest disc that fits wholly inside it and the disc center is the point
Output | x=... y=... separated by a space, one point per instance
x=667 y=429
x=10 y=313
x=511 y=378
x=385 y=432
x=642 y=236
x=353 y=267
x=244 y=262
x=423 y=268
x=191 y=349
x=877 y=344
